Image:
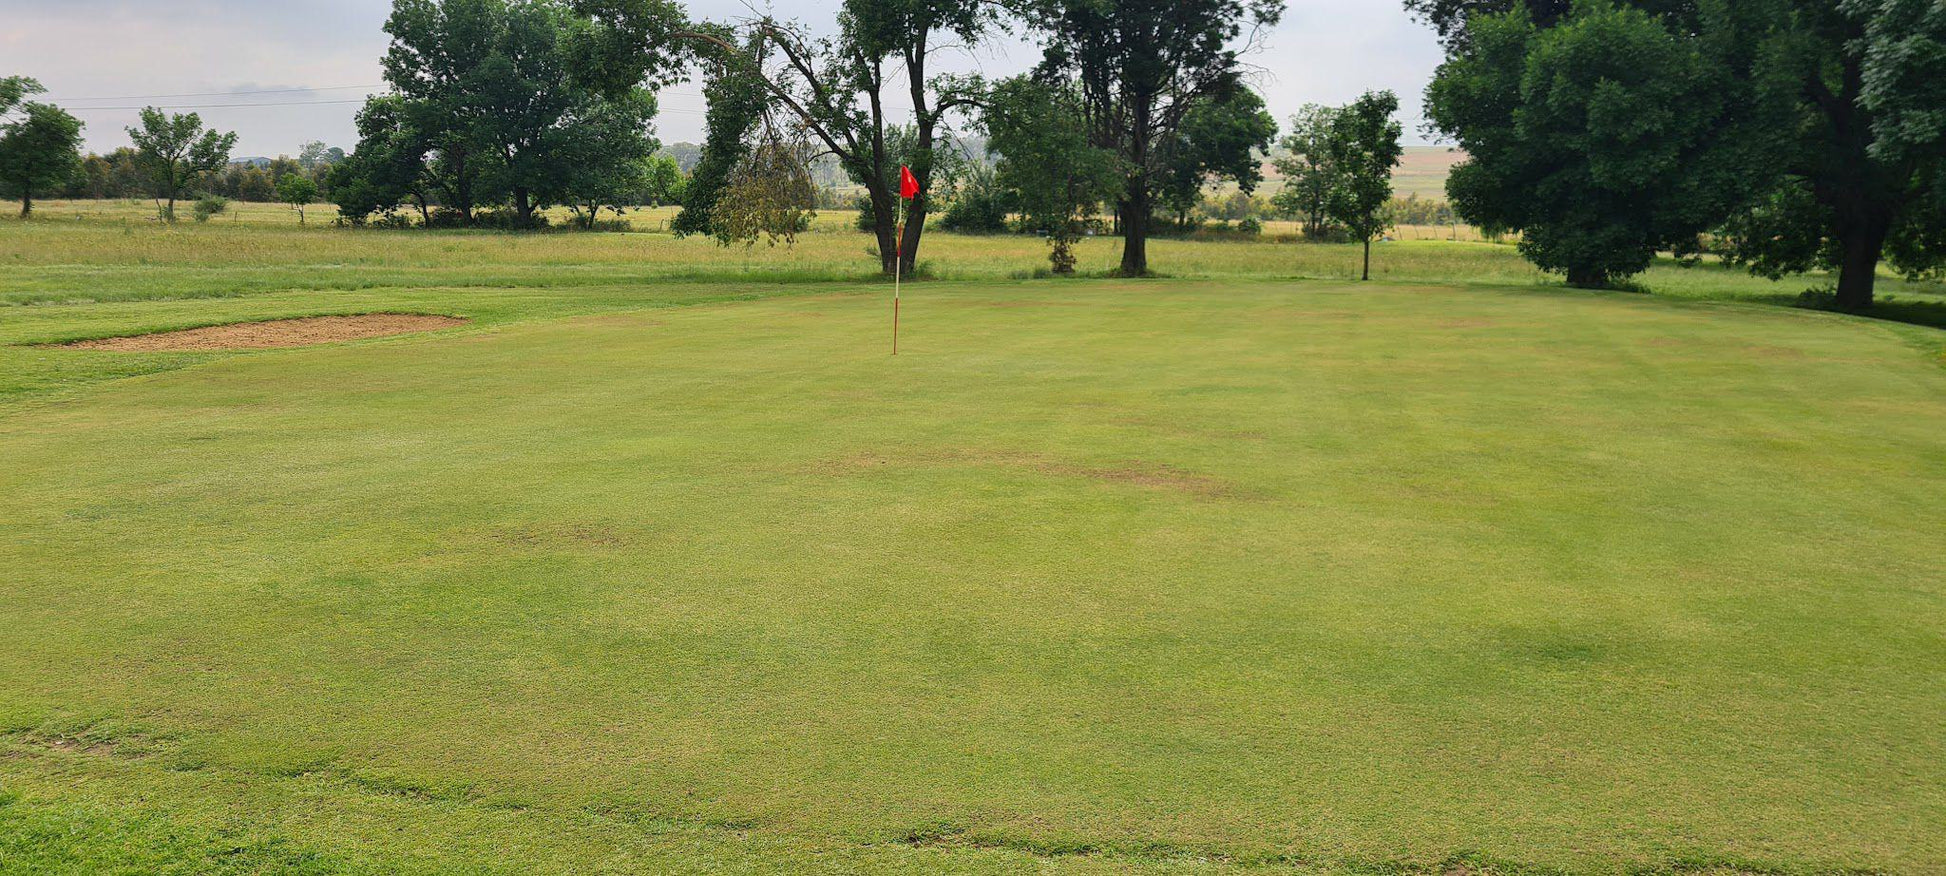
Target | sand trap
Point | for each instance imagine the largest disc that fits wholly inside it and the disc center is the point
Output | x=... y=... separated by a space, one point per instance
x=274 y=333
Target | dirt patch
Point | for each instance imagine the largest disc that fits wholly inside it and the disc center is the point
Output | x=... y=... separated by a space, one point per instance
x=274 y=333
x=558 y=536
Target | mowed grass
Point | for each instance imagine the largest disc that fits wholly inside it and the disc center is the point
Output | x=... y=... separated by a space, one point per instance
x=662 y=564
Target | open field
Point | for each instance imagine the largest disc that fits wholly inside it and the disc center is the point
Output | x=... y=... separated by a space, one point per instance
x=659 y=563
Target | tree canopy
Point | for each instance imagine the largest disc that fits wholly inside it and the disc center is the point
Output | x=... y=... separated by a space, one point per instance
x=1141 y=68
x=1058 y=177
x=176 y=151
x=1364 y=148
x=40 y=144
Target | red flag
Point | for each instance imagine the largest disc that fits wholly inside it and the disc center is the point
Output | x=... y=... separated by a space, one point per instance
x=908 y=184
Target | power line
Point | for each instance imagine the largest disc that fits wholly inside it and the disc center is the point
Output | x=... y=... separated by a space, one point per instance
x=220 y=93
x=218 y=105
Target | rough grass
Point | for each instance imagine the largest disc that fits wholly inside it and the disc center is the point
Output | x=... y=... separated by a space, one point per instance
x=640 y=574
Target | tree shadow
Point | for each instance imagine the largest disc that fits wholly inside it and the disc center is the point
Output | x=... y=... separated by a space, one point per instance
x=1911 y=311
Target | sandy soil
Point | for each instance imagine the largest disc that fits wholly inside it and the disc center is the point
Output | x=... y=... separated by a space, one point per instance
x=274 y=333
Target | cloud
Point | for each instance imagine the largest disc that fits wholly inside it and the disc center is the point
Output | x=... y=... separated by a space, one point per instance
x=98 y=54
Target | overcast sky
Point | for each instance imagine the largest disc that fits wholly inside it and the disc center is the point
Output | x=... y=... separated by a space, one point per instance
x=103 y=58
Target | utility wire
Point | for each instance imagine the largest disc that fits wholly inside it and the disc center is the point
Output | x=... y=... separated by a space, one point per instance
x=216 y=105
x=221 y=93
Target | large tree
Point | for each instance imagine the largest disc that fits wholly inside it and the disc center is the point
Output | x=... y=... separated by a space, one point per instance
x=1142 y=66
x=1058 y=178
x=176 y=151
x=606 y=163
x=500 y=98
x=844 y=89
x=1365 y=148
x=738 y=97
x=1859 y=164
x=388 y=168
x=1815 y=96
x=40 y=144
x=1602 y=139
x=1220 y=139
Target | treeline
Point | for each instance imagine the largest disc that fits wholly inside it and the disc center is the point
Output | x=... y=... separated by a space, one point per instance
x=1787 y=135
x=122 y=174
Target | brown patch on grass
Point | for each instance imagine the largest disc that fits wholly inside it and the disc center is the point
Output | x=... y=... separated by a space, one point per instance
x=275 y=333
x=1469 y=322
x=65 y=744
x=576 y=535
x=1009 y=305
x=1139 y=473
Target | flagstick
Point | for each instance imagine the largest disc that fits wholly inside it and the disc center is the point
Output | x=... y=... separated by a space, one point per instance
x=898 y=265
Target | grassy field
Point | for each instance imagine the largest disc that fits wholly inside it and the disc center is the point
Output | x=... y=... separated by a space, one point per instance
x=661 y=564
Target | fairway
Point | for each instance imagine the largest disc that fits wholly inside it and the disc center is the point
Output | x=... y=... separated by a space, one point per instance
x=1172 y=576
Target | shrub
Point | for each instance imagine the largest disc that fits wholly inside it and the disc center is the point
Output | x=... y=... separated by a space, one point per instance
x=978 y=212
x=209 y=206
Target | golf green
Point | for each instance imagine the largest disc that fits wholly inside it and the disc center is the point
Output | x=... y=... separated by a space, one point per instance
x=1181 y=576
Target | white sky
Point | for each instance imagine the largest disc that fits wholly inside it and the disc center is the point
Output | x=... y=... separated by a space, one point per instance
x=101 y=58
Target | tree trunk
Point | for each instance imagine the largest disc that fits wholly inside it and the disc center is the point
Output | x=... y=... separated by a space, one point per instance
x=26 y=203
x=1135 y=228
x=885 y=227
x=1863 y=243
x=523 y=208
x=915 y=227
x=1368 y=261
x=1587 y=278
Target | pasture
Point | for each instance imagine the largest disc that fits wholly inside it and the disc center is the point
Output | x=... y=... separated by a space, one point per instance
x=660 y=563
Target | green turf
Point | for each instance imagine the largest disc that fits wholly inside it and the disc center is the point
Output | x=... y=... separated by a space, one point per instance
x=663 y=566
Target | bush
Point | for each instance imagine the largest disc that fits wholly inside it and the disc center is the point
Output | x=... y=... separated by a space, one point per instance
x=978 y=212
x=391 y=222
x=1251 y=226
x=209 y=206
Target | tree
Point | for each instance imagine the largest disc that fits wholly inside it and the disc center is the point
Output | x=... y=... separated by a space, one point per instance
x=1603 y=139
x=1310 y=177
x=1142 y=66
x=769 y=195
x=1856 y=130
x=606 y=164
x=388 y=167
x=315 y=156
x=176 y=151
x=838 y=89
x=662 y=182
x=1798 y=164
x=1220 y=139
x=299 y=191
x=40 y=148
x=1058 y=178
x=1905 y=86
x=14 y=89
x=737 y=98
x=498 y=98
x=1365 y=148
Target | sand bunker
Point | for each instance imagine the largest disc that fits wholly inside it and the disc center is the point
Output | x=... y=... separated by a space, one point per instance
x=274 y=333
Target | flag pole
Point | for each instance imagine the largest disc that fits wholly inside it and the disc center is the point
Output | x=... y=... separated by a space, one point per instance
x=898 y=268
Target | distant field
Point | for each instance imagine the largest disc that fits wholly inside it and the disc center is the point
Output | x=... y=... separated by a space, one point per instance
x=1423 y=174
x=1425 y=171
x=660 y=564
